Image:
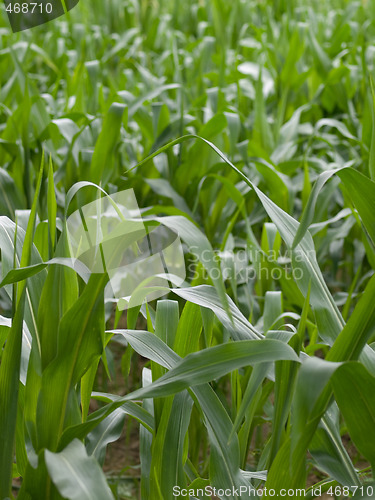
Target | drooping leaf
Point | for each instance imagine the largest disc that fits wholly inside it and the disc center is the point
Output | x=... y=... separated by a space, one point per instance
x=77 y=475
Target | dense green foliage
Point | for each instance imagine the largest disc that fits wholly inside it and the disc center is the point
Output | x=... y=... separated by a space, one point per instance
x=249 y=126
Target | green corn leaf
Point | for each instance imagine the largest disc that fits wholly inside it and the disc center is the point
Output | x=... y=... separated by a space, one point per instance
x=327 y=449
x=206 y=296
x=11 y=363
x=145 y=441
x=360 y=189
x=52 y=209
x=361 y=325
x=76 y=475
x=353 y=388
x=80 y=431
x=104 y=149
x=372 y=146
x=211 y=363
x=9 y=378
x=108 y=431
x=80 y=342
x=168 y=461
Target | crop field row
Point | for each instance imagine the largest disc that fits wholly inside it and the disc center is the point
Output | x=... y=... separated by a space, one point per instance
x=187 y=251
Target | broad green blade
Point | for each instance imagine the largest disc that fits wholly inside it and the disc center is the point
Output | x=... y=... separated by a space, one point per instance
x=354 y=388
x=76 y=475
x=102 y=159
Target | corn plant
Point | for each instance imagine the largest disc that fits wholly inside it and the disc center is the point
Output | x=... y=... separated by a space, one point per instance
x=246 y=130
